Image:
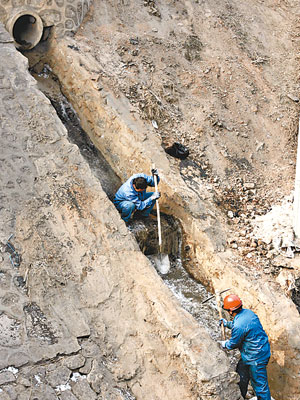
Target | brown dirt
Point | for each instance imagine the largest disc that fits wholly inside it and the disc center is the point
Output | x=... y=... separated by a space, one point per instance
x=218 y=77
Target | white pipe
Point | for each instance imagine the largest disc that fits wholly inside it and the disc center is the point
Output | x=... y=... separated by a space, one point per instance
x=297 y=190
x=158 y=213
x=26 y=28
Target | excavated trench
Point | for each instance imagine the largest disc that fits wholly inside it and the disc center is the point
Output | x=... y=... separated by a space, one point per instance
x=49 y=85
x=187 y=290
x=27 y=30
x=202 y=234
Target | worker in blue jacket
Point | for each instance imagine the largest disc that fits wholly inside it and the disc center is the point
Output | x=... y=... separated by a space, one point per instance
x=132 y=196
x=248 y=335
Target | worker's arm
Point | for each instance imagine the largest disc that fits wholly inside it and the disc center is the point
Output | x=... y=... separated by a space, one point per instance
x=142 y=204
x=237 y=337
x=227 y=324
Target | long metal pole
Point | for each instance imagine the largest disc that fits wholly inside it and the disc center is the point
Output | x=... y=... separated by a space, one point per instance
x=297 y=190
x=158 y=213
x=218 y=298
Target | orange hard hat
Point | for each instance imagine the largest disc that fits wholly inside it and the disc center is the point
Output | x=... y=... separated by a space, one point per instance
x=232 y=302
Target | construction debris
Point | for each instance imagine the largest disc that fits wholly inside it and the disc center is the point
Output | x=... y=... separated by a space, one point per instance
x=276 y=228
x=178 y=150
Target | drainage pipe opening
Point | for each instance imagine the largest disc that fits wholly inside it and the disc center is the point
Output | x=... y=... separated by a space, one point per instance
x=26 y=28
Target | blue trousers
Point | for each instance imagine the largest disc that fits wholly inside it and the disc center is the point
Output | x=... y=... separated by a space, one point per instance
x=259 y=379
x=126 y=208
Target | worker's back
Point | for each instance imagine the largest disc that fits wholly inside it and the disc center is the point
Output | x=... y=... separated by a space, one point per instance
x=249 y=336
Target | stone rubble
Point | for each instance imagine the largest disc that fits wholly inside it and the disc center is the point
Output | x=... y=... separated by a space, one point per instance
x=276 y=228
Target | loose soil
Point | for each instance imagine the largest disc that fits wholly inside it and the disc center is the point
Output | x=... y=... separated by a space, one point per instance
x=221 y=78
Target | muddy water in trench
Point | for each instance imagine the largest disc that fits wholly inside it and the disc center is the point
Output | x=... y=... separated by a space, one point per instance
x=189 y=293
x=49 y=85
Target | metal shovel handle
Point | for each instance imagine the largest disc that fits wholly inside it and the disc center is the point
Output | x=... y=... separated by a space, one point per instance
x=157 y=210
x=218 y=299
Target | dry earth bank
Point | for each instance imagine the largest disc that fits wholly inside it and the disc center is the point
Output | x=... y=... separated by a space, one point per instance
x=221 y=78
x=79 y=315
x=130 y=61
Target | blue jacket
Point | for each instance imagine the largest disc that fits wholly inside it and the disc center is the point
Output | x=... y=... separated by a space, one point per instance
x=128 y=193
x=248 y=336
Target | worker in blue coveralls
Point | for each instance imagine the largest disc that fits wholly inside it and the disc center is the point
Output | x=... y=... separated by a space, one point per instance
x=132 y=196
x=248 y=336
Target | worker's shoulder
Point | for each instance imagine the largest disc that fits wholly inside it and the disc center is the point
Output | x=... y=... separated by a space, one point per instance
x=246 y=311
x=244 y=315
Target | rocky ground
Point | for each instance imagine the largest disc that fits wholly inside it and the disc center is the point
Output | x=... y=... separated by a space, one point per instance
x=219 y=77
x=79 y=316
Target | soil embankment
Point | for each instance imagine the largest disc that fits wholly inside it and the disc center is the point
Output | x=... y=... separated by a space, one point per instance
x=208 y=75
x=82 y=316
x=118 y=134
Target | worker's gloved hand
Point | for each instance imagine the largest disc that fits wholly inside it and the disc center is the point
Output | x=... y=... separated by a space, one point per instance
x=222 y=343
x=155 y=196
x=223 y=321
x=154 y=171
